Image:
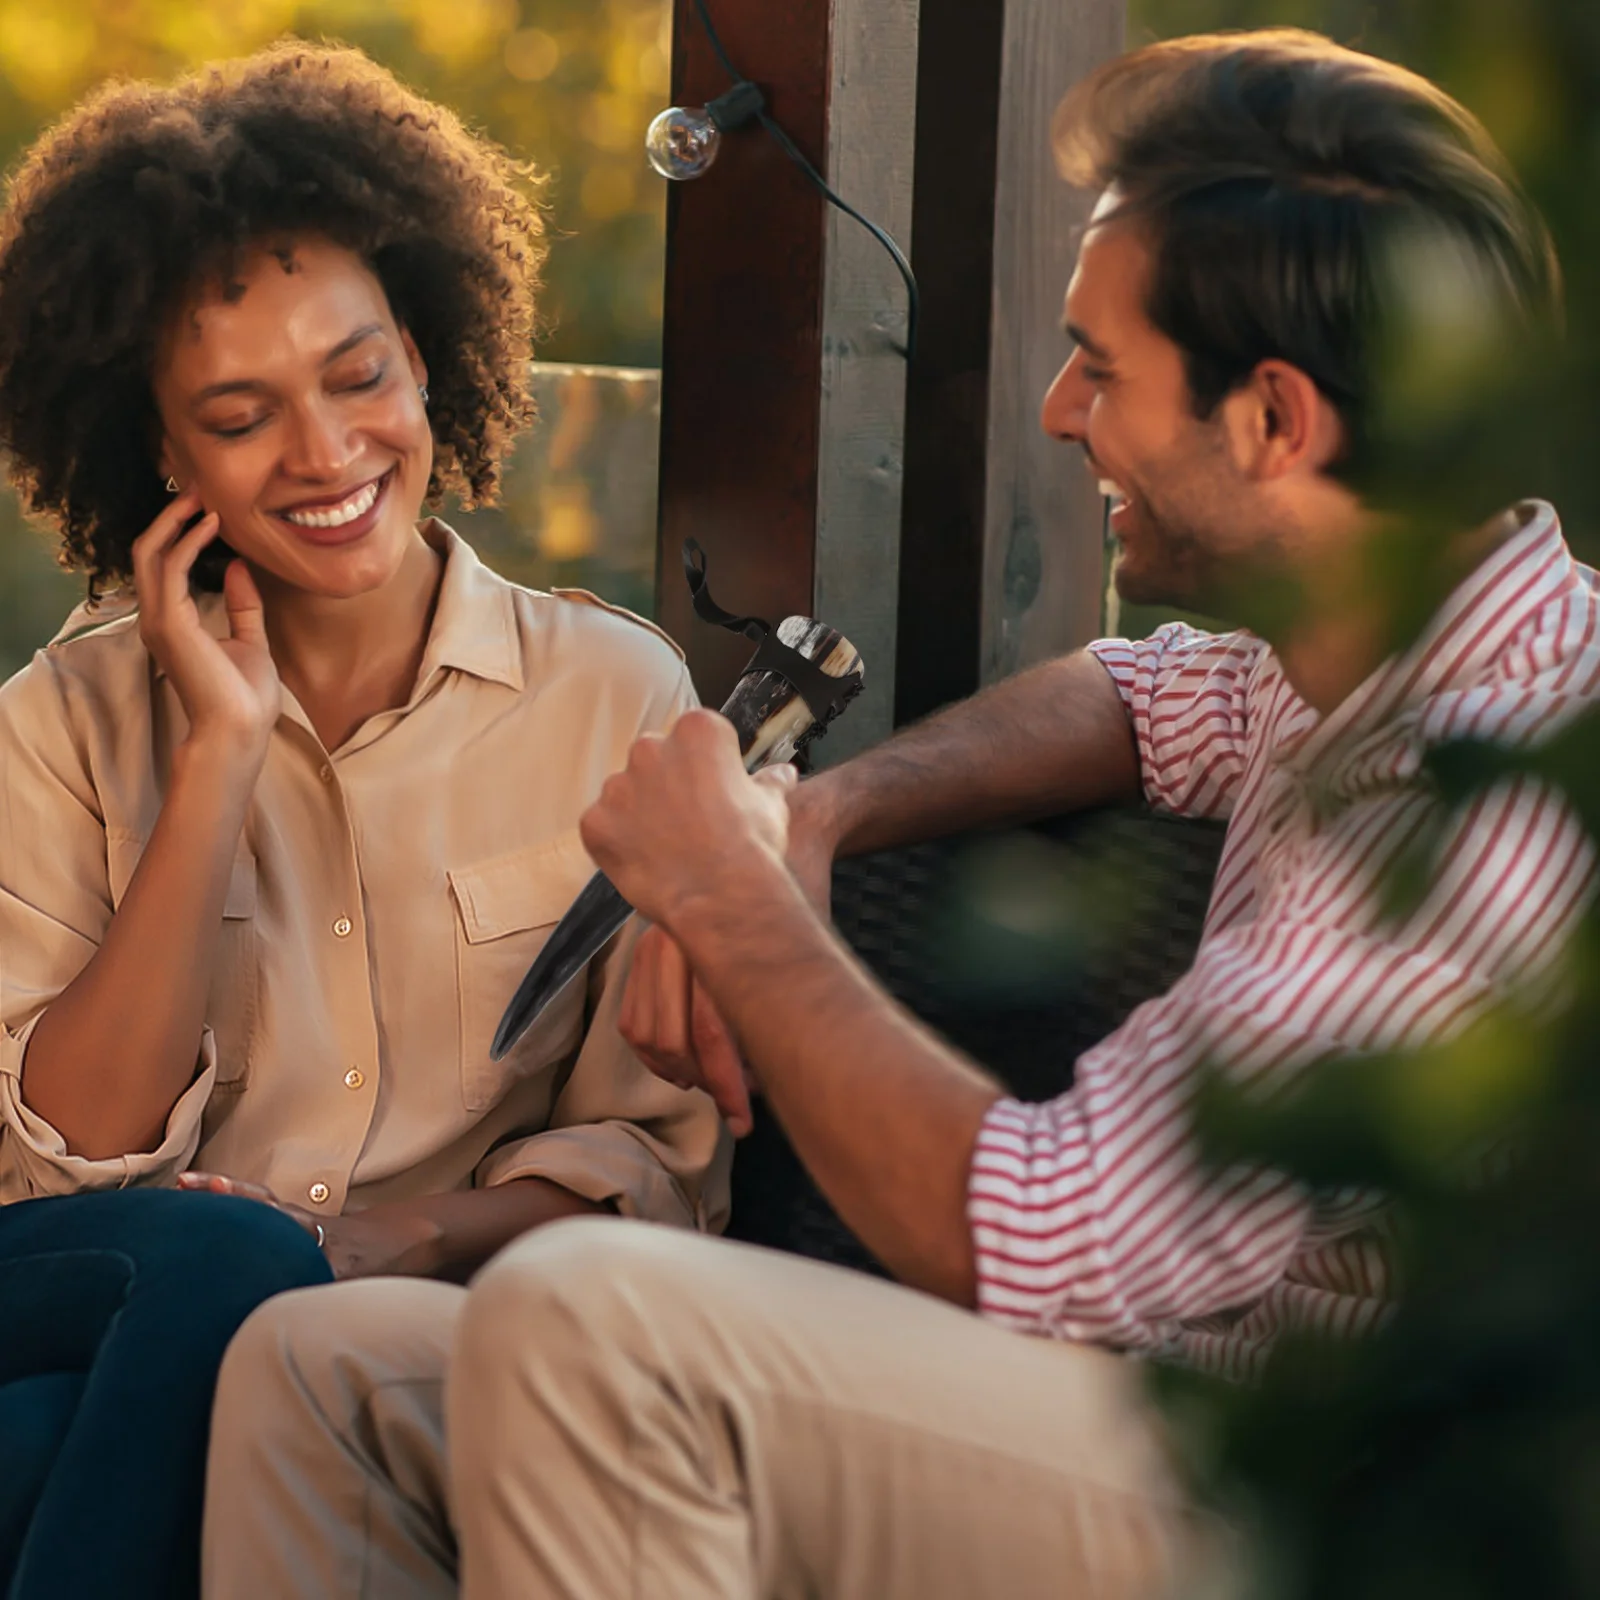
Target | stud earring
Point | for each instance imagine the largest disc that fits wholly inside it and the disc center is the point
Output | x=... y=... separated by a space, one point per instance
x=422 y=389
x=172 y=485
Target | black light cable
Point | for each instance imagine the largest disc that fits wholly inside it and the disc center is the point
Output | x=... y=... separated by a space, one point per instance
x=683 y=143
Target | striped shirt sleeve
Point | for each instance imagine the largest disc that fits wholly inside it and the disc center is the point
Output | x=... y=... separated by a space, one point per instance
x=1094 y=1217
x=1186 y=694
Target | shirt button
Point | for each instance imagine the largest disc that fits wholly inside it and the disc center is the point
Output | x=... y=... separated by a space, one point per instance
x=318 y=1192
x=342 y=927
x=325 y=772
x=353 y=1078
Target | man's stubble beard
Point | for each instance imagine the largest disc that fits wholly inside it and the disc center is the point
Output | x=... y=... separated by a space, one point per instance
x=1183 y=520
x=1165 y=561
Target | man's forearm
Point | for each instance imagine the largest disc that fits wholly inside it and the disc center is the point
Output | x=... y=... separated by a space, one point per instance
x=1055 y=738
x=883 y=1114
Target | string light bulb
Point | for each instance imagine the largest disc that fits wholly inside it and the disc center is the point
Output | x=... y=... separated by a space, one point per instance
x=683 y=141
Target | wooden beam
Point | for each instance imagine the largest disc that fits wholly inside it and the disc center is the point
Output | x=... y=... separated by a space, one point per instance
x=861 y=437
x=947 y=398
x=794 y=445
x=741 y=346
x=783 y=368
x=1000 y=538
x=1042 y=517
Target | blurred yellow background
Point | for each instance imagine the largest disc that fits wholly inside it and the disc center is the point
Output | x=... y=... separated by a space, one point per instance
x=570 y=85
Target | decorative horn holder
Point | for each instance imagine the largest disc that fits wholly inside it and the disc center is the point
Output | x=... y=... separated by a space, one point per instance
x=800 y=679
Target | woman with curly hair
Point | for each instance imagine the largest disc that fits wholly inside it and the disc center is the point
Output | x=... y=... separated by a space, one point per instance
x=288 y=808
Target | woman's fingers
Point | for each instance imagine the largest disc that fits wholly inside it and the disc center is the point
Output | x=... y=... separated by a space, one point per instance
x=148 y=546
x=178 y=560
x=243 y=1189
x=170 y=521
x=220 y=1183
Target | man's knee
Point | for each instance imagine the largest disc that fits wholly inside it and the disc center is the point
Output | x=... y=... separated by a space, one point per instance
x=584 y=1282
x=329 y=1346
x=277 y=1345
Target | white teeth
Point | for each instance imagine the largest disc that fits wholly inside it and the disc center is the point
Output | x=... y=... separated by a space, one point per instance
x=1113 y=491
x=358 y=505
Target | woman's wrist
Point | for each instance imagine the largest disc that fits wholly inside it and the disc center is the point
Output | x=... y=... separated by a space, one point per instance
x=220 y=758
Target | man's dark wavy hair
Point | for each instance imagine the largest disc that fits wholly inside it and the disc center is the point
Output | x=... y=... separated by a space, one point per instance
x=1274 y=171
x=144 y=192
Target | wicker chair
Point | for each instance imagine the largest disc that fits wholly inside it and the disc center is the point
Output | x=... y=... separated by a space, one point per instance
x=1022 y=948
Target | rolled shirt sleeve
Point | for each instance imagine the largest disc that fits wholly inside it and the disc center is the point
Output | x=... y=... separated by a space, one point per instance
x=55 y=907
x=35 y=1161
x=620 y=1136
x=1186 y=694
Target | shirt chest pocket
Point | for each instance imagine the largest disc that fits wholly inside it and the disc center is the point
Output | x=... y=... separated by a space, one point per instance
x=231 y=1004
x=506 y=908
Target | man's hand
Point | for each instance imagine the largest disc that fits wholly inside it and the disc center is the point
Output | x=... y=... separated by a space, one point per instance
x=682 y=827
x=673 y=1027
x=668 y=1018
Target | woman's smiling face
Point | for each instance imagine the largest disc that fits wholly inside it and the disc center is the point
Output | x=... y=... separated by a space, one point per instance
x=290 y=403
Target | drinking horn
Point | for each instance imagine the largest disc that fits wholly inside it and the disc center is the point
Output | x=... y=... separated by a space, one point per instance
x=800 y=679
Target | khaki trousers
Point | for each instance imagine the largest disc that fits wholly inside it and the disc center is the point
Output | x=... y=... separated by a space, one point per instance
x=616 y=1409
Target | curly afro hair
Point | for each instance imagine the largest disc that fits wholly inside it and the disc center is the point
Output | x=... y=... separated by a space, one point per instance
x=145 y=191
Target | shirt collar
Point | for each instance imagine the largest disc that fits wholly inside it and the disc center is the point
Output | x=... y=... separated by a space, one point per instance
x=1480 y=617
x=474 y=622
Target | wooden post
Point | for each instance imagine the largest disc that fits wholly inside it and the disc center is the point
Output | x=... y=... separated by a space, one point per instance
x=861 y=465
x=783 y=377
x=1043 y=517
x=1000 y=543
x=742 y=337
x=947 y=399
x=921 y=513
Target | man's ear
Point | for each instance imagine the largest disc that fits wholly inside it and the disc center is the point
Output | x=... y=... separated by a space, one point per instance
x=1280 y=422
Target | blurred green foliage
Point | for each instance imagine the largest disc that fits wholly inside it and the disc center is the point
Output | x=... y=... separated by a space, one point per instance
x=570 y=85
x=1457 y=1454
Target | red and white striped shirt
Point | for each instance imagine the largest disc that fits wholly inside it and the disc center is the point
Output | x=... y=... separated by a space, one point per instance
x=1093 y=1217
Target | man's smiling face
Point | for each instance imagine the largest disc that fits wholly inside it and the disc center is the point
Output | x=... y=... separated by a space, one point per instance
x=1182 y=509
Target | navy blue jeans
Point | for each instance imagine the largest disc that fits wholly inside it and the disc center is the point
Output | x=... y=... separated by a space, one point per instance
x=115 y=1310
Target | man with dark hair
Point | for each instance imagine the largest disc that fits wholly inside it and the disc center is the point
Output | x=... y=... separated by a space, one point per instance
x=632 y=1411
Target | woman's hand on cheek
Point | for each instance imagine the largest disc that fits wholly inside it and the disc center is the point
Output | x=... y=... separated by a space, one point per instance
x=228 y=687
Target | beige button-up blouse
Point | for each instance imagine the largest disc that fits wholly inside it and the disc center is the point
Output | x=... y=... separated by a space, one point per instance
x=385 y=901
